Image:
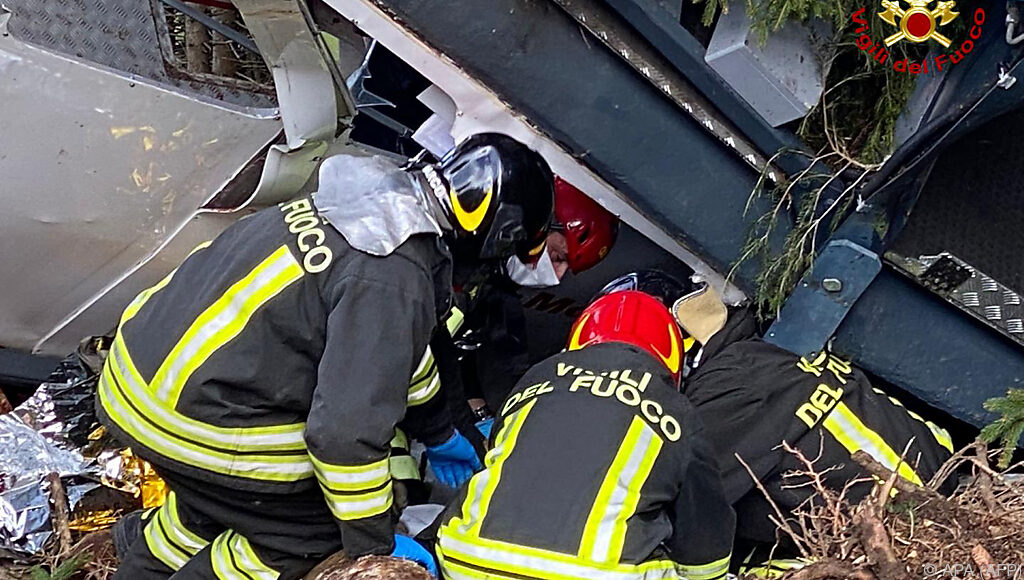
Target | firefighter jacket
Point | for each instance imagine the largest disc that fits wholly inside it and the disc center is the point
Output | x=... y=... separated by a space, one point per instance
x=752 y=396
x=598 y=470
x=277 y=358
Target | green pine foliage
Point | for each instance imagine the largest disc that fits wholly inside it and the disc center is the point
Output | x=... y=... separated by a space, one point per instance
x=1009 y=428
x=64 y=570
x=852 y=128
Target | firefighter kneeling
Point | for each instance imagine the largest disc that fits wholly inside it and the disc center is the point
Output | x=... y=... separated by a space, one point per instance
x=753 y=396
x=598 y=468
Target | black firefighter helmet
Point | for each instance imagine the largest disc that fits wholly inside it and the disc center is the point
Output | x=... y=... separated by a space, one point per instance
x=500 y=198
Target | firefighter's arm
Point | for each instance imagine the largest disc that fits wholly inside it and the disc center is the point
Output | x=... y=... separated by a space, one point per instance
x=428 y=418
x=376 y=333
x=703 y=522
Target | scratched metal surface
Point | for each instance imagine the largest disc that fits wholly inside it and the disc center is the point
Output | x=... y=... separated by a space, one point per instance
x=124 y=35
x=101 y=173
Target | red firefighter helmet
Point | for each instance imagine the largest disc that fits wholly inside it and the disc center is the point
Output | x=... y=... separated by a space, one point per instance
x=633 y=318
x=589 y=229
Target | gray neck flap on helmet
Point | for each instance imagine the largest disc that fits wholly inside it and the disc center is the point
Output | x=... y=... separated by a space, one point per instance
x=374 y=204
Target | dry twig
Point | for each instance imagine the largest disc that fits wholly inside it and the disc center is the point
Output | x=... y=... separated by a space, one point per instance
x=59 y=503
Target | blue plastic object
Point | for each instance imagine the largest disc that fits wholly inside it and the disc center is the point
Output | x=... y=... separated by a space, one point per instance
x=485 y=426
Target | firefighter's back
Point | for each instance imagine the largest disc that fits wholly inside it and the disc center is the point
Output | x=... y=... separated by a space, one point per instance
x=213 y=370
x=594 y=453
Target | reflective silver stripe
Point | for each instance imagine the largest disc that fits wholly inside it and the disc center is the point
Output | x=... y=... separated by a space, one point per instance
x=534 y=563
x=176 y=530
x=425 y=363
x=247 y=560
x=232 y=558
x=285 y=437
x=425 y=381
x=352 y=477
x=617 y=499
x=426 y=392
x=224 y=320
x=355 y=506
x=853 y=434
x=272 y=468
x=160 y=545
x=709 y=571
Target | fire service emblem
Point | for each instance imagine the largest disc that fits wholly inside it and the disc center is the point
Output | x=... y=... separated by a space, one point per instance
x=918 y=23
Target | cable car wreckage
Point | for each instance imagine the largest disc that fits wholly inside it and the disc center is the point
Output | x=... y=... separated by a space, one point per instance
x=145 y=159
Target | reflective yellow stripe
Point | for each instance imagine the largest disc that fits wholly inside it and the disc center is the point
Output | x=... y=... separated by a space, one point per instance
x=532 y=562
x=425 y=393
x=224 y=320
x=145 y=295
x=456 y=571
x=177 y=532
x=454 y=320
x=358 y=505
x=351 y=477
x=161 y=546
x=400 y=440
x=404 y=467
x=233 y=558
x=119 y=407
x=709 y=571
x=854 y=435
x=355 y=491
x=775 y=568
x=247 y=560
x=616 y=502
x=425 y=381
x=941 y=435
x=270 y=438
x=482 y=486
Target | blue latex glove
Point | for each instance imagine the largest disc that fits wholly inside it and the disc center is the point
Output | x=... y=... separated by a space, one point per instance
x=454 y=461
x=485 y=426
x=410 y=549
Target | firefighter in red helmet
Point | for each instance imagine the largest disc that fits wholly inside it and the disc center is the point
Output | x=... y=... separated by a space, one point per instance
x=598 y=467
x=583 y=232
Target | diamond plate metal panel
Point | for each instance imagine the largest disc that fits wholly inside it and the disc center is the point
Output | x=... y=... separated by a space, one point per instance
x=123 y=35
x=972 y=291
x=972 y=206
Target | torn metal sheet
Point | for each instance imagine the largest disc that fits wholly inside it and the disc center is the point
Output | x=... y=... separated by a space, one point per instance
x=307 y=85
x=101 y=172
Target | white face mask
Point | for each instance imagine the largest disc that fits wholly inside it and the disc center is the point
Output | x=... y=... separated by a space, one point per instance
x=540 y=276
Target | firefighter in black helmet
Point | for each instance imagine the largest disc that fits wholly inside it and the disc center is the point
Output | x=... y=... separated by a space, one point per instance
x=264 y=377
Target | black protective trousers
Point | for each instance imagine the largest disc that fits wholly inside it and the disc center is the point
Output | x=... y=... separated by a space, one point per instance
x=208 y=531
